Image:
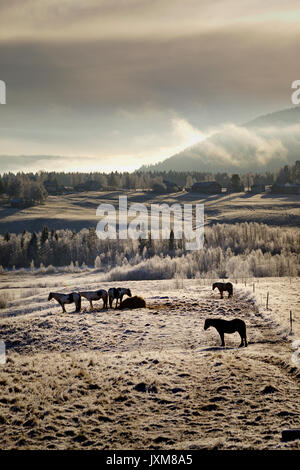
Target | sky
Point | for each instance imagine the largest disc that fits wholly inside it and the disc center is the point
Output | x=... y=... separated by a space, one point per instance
x=115 y=84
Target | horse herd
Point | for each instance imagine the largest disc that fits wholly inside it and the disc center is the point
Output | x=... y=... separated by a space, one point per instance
x=114 y=293
x=117 y=293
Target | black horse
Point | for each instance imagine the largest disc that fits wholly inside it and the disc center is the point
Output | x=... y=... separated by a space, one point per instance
x=228 y=326
x=223 y=286
x=117 y=293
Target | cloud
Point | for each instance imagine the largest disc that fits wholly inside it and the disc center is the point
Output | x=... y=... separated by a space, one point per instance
x=99 y=19
x=242 y=149
x=134 y=80
x=187 y=133
x=170 y=137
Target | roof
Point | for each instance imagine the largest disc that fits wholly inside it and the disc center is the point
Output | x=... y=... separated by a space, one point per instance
x=205 y=183
x=288 y=185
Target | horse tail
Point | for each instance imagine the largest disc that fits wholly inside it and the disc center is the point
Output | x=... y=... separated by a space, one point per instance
x=79 y=303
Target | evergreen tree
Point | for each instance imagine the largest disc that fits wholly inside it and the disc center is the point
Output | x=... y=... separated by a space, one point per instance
x=33 y=247
x=171 y=242
x=45 y=234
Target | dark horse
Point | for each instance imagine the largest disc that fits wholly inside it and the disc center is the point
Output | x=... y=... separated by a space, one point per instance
x=223 y=286
x=63 y=299
x=118 y=294
x=228 y=326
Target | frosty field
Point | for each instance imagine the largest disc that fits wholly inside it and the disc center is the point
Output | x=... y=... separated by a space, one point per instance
x=76 y=211
x=148 y=378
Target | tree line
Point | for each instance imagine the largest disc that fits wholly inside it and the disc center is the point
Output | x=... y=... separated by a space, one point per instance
x=25 y=189
x=223 y=242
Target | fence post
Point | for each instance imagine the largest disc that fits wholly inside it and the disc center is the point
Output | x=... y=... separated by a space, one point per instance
x=267 y=303
x=291 y=322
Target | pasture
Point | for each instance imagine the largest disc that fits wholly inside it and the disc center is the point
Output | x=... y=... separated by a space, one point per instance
x=76 y=211
x=149 y=378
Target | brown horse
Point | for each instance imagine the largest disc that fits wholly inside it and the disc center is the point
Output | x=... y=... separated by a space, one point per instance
x=223 y=286
x=63 y=299
x=228 y=326
x=95 y=295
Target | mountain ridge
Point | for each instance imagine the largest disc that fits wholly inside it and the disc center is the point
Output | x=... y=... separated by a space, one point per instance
x=269 y=141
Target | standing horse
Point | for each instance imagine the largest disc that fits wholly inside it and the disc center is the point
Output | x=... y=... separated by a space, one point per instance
x=228 y=326
x=95 y=295
x=223 y=286
x=118 y=294
x=63 y=299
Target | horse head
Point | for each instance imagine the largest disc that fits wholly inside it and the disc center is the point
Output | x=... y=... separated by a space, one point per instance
x=50 y=296
x=129 y=293
x=207 y=323
x=214 y=286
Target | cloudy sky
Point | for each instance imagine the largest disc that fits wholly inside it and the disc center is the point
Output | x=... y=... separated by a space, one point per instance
x=114 y=84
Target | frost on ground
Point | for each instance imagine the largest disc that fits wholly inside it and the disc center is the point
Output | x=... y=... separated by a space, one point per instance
x=150 y=378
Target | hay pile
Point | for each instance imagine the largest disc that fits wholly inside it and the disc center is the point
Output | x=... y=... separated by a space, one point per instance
x=133 y=302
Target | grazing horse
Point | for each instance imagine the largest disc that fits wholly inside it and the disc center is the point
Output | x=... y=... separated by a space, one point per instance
x=63 y=299
x=95 y=295
x=228 y=326
x=118 y=294
x=223 y=286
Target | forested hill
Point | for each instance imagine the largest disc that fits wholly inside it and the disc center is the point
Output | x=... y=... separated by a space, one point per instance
x=267 y=142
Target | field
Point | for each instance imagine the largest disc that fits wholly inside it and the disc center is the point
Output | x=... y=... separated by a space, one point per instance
x=78 y=210
x=150 y=378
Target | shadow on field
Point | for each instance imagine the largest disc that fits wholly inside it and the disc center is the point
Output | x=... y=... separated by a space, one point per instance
x=216 y=348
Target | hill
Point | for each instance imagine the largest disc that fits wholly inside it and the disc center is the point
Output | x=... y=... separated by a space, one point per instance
x=265 y=143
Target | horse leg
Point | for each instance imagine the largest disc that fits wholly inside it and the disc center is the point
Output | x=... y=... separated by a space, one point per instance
x=221 y=294
x=63 y=307
x=243 y=339
x=91 y=305
x=221 y=333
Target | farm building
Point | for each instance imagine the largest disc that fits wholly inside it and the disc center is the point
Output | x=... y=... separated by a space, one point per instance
x=166 y=187
x=285 y=188
x=206 y=187
x=20 y=203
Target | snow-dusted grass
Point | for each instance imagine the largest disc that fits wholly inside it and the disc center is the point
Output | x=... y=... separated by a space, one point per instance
x=150 y=377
